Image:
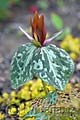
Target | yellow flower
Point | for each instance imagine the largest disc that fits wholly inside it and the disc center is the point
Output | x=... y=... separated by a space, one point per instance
x=24 y=94
x=73 y=56
x=33 y=118
x=35 y=93
x=22 y=106
x=13 y=94
x=1 y=100
x=42 y=94
x=13 y=100
x=29 y=83
x=72 y=45
x=27 y=109
x=12 y=111
x=5 y=95
x=21 y=113
x=2 y=116
x=68 y=37
x=50 y=88
x=27 y=104
x=37 y=84
x=68 y=88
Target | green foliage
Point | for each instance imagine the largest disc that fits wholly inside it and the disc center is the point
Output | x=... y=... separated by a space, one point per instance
x=65 y=32
x=51 y=98
x=59 y=25
x=4 y=13
x=38 y=115
x=56 y=21
x=43 y=4
x=4 y=8
x=4 y=4
x=51 y=64
x=60 y=3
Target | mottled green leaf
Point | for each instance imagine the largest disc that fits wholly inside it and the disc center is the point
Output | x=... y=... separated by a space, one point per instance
x=21 y=69
x=51 y=98
x=34 y=113
x=51 y=64
x=56 y=21
x=31 y=113
x=41 y=116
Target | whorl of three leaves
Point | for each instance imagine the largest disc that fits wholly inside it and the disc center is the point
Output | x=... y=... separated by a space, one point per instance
x=49 y=63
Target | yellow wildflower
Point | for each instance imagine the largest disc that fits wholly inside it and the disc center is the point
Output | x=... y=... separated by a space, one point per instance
x=12 y=111
x=32 y=118
x=1 y=100
x=72 y=45
x=35 y=93
x=2 y=116
x=13 y=94
x=68 y=88
x=5 y=95
x=22 y=106
x=21 y=113
x=73 y=56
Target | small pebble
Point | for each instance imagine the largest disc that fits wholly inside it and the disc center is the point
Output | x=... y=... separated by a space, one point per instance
x=78 y=66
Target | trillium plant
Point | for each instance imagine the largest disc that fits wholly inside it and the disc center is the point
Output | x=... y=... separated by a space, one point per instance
x=39 y=58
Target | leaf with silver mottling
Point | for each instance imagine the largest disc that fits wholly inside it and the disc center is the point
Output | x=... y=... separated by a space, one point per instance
x=53 y=65
x=21 y=70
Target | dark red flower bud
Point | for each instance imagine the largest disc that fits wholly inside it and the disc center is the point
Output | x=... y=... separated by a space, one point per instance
x=38 y=28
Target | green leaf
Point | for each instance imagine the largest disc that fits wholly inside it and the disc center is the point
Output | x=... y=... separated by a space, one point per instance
x=4 y=14
x=41 y=116
x=43 y=4
x=51 y=98
x=21 y=70
x=66 y=32
x=4 y=4
x=56 y=21
x=53 y=65
x=31 y=113
x=34 y=113
x=49 y=63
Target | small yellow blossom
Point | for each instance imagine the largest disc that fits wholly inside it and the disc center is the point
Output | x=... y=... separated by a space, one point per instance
x=50 y=88
x=13 y=94
x=35 y=93
x=2 y=116
x=22 y=106
x=68 y=88
x=24 y=94
x=27 y=104
x=32 y=118
x=72 y=45
x=5 y=95
x=22 y=113
x=42 y=94
x=73 y=55
x=12 y=111
x=1 y=100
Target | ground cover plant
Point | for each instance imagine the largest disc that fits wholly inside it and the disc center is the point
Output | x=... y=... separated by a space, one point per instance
x=72 y=46
x=41 y=59
x=16 y=104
